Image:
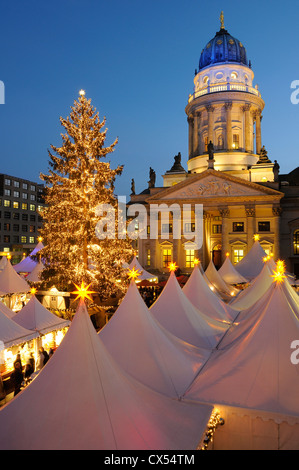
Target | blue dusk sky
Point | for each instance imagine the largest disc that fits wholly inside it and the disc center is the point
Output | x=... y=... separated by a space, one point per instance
x=136 y=61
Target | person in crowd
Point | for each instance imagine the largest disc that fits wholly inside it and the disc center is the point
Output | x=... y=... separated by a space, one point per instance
x=16 y=378
x=45 y=354
x=32 y=361
x=18 y=359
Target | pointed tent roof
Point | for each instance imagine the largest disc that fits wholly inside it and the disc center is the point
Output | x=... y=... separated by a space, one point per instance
x=148 y=352
x=259 y=286
x=219 y=283
x=230 y=275
x=13 y=334
x=144 y=274
x=28 y=264
x=252 y=263
x=34 y=275
x=11 y=282
x=34 y=316
x=178 y=315
x=3 y=262
x=107 y=411
x=38 y=247
x=252 y=368
x=8 y=312
x=204 y=299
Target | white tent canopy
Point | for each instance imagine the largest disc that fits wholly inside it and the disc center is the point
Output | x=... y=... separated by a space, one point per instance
x=252 y=368
x=229 y=273
x=218 y=282
x=28 y=264
x=13 y=334
x=81 y=400
x=252 y=263
x=178 y=315
x=11 y=282
x=148 y=352
x=204 y=299
x=34 y=275
x=34 y=316
x=8 y=312
x=3 y=262
x=259 y=286
x=145 y=275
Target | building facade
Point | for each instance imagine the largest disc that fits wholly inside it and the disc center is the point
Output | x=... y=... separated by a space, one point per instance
x=228 y=172
x=21 y=203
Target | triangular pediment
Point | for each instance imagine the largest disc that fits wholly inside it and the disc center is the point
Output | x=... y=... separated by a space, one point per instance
x=214 y=184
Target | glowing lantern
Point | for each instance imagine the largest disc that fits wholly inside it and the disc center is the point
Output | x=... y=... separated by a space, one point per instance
x=256 y=237
x=133 y=273
x=83 y=292
x=278 y=275
x=172 y=267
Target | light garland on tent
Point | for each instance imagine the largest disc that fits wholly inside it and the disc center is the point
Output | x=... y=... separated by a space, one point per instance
x=214 y=421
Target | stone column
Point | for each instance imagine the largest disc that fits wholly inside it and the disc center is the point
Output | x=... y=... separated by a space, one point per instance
x=195 y=134
x=175 y=252
x=258 y=132
x=224 y=212
x=190 y=122
x=276 y=211
x=250 y=214
x=246 y=110
x=229 y=135
x=210 y=110
x=155 y=263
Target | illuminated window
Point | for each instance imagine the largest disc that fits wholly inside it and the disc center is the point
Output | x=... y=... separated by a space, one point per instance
x=6 y=203
x=32 y=207
x=220 y=142
x=24 y=206
x=31 y=240
x=236 y=143
x=206 y=144
x=238 y=254
x=217 y=228
x=190 y=258
x=23 y=239
x=190 y=227
x=16 y=205
x=238 y=226
x=166 y=257
x=264 y=226
x=296 y=242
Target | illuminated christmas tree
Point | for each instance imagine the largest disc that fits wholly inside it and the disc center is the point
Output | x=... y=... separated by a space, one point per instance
x=80 y=179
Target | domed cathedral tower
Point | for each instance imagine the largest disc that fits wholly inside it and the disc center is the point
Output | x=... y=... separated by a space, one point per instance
x=225 y=112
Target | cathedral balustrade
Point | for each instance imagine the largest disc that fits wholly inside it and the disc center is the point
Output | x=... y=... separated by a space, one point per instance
x=223 y=87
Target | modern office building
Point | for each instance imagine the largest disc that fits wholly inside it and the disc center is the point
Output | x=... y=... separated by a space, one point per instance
x=21 y=202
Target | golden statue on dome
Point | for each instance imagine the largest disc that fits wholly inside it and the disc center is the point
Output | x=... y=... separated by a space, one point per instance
x=222 y=20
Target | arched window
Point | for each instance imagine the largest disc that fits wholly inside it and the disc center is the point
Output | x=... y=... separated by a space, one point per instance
x=220 y=142
x=296 y=242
